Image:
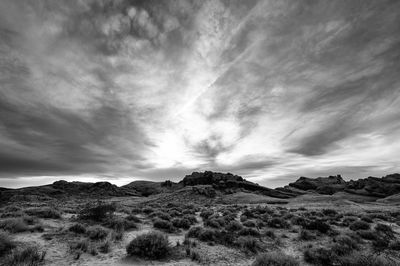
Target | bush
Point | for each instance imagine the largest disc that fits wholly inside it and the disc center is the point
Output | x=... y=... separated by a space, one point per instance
x=161 y=215
x=194 y=232
x=163 y=225
x=359 y=225
x=14 y=225
x=207 y=235
x=306 y=235
x=181 y=223
x=133 y=218
x=367 y=234
x=329 y=212
x=77 y=228
x=6 y=243
x=234 y=226
x=105 y=246
x=275 y=258
x=248 y=244
x=249 y=223
x=344 y=245
x=191 y=218
x=25 y=256
x=97 y=232
x=82 y=245
x=120 y=224
x=206 y=213
x=153 y=245
x=319 y=256
x=212 y=223
x=148 y=210
x=278 y=223
x=98 y=212
x=248 y=232
x=385 y=230
x=44 y=213
x=318 y=225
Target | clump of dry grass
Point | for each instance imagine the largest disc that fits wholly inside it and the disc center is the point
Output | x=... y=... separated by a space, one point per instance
x=275 y=258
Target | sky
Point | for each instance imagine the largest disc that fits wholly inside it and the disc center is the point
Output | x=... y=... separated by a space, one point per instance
x=96 y=90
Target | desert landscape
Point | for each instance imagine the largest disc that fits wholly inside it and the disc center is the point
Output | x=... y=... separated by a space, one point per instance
x=207 y=218
x=200 y=132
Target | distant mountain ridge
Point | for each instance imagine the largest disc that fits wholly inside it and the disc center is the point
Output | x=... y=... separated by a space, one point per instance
x=209 y=184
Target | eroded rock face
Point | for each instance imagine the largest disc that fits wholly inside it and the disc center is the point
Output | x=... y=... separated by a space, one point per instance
x=371 y=186
x=209 y=178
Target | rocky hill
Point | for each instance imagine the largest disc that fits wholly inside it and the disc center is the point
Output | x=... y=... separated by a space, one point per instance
x=210 y=185
x=370 y=186
x=63 y=189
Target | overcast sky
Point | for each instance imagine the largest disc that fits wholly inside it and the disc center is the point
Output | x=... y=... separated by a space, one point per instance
x=270 y=90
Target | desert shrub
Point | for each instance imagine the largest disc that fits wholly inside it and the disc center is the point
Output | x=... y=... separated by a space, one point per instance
x=117 y=235
x=163 y=225
x=133 y=218
x=161 y=215
x=148 y=210
x=14 y=225
x=243 y=218
x=318 y=225
x=385 y=230
x=207 y=235
x=98 y=212
x=25 y=256
x=347 y=220
x=395 y=245
x=319 y=256
x=306 y=235
x=380 y=243
x=153 y=245
x=366 y=219
x=194 y=255
x=297 y=220
x=105 y=246
x=367 y=234
x=97 y=232
x=249 y=232
x=174 y=213
x=82 y=245
x=6 y=243
x=194 y=232
x=360 y=259
x=329 y=212
x=44 y=213
x=191 y=218
x=278 y=223
x=248 y=244
x=344 y=245
x=77 y=228
x=270 y=234
x=234 y=226
x=225 y=238
x=206 y=213
x=120 y=224
x=275 y=258
x=359 y=225
x=249 y=223
x=181 y=223
x=30 y=220
x=212 y=223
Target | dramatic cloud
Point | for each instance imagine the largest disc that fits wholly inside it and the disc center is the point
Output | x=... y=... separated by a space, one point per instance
x=271 y=90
